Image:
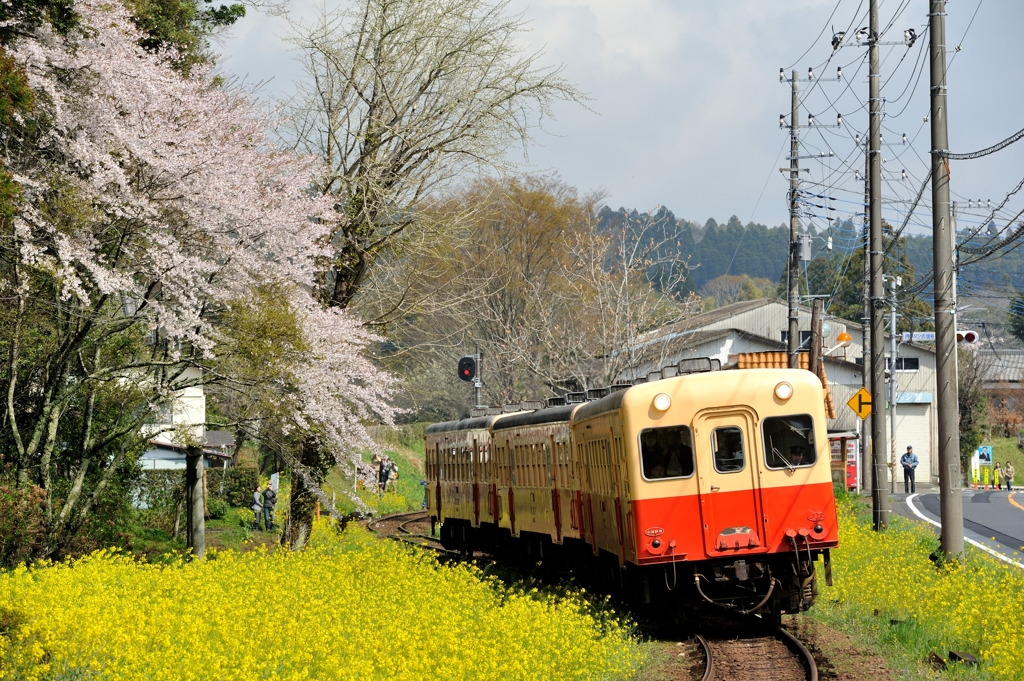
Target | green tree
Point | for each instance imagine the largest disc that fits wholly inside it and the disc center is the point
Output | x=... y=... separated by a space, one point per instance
x=841 y=276
x=182 y=26
x=972 y=403
x=1015 y=316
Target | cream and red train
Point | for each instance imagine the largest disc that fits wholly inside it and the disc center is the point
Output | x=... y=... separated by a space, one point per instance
x=710 y=487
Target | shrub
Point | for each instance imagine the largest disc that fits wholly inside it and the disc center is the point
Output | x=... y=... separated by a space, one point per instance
x=217 y=508
x=22 y=520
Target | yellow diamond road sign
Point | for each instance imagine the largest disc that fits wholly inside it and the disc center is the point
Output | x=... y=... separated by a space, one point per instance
x=861 y=403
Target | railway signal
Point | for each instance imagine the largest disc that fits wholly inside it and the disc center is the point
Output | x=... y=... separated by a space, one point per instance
x=469 y=371
x=966 y=336
x=467 y=368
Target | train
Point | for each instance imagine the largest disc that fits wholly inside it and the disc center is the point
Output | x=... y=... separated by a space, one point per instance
x=709 y=487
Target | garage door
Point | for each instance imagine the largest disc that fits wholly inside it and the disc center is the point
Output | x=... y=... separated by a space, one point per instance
x=914 y=428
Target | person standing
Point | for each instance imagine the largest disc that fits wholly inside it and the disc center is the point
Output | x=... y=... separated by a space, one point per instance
x=269 y=502
x=384 y=473
x=909 y=463
x=257 y=506
x=997 y=477
x=1008 y=474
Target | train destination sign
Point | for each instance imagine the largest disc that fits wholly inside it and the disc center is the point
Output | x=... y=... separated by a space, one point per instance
x=861 y=403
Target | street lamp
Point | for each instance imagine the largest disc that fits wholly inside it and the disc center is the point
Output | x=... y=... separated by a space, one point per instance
x=844 y=339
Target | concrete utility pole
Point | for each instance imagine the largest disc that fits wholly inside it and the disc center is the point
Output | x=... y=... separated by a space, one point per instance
x=879 y=495
x=866 y=464
x=946 y=402
x=478 y=381
x=195 y=501
x=793 y=346
x=892 y=382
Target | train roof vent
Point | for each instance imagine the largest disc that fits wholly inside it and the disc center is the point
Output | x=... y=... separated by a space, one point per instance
x=669 y=371
x=615 y=387
x=699 y=365
x=556 y=401
x=597 y=393
x=639 y=379
x=575 y=398
x=653 y=376
x=511 y=408
x=533 y=405
x=494 y=411
x=477 y=412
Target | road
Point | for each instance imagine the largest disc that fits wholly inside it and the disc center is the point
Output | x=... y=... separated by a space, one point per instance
x=993 y=520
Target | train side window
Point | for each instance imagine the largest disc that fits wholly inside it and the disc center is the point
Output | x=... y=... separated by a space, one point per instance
x=789 y=441
x=727 y=449
x=666 y=453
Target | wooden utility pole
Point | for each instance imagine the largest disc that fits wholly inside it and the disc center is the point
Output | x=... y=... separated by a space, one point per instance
x=195 y=501
x=793 y=344
x=815 y=356
x=946 y=402
x=879 y=441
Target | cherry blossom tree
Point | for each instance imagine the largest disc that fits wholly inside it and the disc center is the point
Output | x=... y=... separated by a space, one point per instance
x=150 y=206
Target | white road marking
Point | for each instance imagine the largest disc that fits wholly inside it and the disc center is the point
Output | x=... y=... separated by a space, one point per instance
x=977 y=544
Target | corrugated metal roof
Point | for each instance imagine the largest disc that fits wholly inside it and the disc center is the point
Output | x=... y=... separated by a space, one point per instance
x=780 y=360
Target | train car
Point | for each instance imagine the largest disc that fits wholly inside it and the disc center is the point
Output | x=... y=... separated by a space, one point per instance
x=702 y=488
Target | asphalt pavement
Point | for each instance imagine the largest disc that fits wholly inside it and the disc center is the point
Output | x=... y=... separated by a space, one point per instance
x=993 y=520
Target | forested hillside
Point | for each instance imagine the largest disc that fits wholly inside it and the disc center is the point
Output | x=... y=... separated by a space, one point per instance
x=759 y=252
x=713 y=249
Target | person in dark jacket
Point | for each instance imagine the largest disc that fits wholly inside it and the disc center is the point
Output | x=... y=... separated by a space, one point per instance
x=257 y=506
x=384 y=473
x=269 y=502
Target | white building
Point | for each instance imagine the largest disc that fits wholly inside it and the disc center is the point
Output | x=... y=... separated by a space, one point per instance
x=760 y=326
x=181 y=422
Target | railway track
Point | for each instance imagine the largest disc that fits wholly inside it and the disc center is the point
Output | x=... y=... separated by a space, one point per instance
x=411 y=528
x=731 y=650
x=775 y=656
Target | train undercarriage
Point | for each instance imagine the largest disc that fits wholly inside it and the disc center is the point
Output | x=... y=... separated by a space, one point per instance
x=768 y=584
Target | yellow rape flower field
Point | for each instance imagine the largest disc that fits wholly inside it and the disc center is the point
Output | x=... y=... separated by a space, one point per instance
x=348 y=607
x=887 y=587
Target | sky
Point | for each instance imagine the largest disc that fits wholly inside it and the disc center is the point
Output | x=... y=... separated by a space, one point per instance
x=686 y=101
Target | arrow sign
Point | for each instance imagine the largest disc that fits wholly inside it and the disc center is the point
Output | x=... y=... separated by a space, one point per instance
x=861 y=403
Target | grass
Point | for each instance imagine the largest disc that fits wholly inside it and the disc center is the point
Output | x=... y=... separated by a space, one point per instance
x=894 y=597
x=1005 y=449
x=404 y=445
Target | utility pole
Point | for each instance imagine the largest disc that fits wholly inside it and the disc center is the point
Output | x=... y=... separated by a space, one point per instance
x=866 y=464
x=478 y=382
x=893 y=282
x=793 y=346
x=195 y=501
x=880 y=496
x=950 y=499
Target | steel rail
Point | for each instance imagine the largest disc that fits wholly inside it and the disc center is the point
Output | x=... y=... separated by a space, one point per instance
x=709 y=660
x=372 y=525
x=794 y=643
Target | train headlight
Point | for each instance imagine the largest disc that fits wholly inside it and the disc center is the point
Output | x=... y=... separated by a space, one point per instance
x=662 y=402
x=783 y=391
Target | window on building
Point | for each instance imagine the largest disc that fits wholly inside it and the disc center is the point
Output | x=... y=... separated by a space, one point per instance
x=908 y=364
x=805 y=338
x=789 y=441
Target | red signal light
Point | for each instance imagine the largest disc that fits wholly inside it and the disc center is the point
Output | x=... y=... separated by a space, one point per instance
x=467 y=368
